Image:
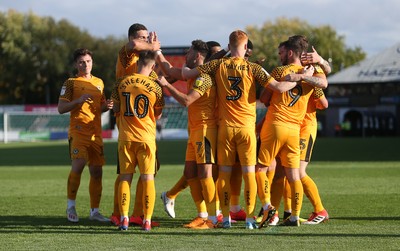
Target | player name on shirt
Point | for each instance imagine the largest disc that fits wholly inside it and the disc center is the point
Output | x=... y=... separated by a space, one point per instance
x=239 y=67
x=132 y=80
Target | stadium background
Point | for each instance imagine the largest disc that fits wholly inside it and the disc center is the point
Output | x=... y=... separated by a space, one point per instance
x=356 y=109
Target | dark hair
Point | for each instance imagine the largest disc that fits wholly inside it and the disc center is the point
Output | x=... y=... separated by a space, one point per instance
x=146 y=57
x=298 y=43
x=212 y=44
x=200 y=46
x=81 y=52
x=249 y=44
x=283 y=44
x=135 y=28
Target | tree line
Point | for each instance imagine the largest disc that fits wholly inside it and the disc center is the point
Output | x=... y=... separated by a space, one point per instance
x=36 y=53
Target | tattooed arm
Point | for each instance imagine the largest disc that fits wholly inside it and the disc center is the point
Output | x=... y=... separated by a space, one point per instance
x=315 y=58
x=317 y=80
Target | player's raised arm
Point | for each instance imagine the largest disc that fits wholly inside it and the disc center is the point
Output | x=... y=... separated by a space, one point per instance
x=183 y=99
x=167 y=68
x=315 y=58
x=188 y=73
x=139 y=43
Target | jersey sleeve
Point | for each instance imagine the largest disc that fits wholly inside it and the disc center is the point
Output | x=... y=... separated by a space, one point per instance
x=277 y=72
x=159 y=96
x=67 y=90
x=103 y=96
x=202 y=83
x=318 y=93
x=126 y=63
x=318 y=69
x=114 y=92
x=210 y=67
x=124 y=57
x=261 y=75
x=153 y=75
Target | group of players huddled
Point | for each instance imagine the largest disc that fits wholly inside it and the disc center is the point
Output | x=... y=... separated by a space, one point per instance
x=225 y=145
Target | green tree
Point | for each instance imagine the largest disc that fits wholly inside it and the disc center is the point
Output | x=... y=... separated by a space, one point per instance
x=105 y=53
x=36 y=53
x=325 y=39
x=36 y=57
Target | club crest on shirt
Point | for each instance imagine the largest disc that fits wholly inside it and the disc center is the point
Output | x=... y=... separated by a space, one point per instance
x=199 y=82
x=63 y=90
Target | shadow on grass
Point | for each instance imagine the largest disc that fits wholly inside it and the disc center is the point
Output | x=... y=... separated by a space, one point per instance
x=377 y=218
x=173 y=227
x=54 y=224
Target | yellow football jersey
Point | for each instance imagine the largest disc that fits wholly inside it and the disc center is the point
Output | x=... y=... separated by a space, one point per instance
x=202 y=111
x=137 y=95
x=85 y=119
x=290 y=107
x=126 y=63
x=236 y=80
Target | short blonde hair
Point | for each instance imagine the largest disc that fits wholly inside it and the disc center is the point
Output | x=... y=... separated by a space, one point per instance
x=237 y=38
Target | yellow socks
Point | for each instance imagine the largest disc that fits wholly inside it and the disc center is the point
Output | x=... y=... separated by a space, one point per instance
x=138 y=206
x=116 y=201
x=277 y=187
x=208 y=190
x=297 y=197
x=149 y=198
x=124 y=197
x=250 y=193
x=197 y=195
x=224 y=191
x=95 y=188
x=177 y=188
x=287 y=196
x=74 y=180
x=236 y=185
x=270 y=177
x=311 y=191
x=263 y=188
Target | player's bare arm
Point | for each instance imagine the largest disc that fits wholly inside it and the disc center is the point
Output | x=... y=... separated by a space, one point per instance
x=217 y=55
x=282 y=86
x=315 y=58
x=265 y=96
x=318 y=80
x=188 y=73
x=321 y=103
x=183 y=99
x=108 y=105
x=138 y=44
x=167 y=68
x=116 y=106
x=157 y=112
x=326 y=67
x=290 y=80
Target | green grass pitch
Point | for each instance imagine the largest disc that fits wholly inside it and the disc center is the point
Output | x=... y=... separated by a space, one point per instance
x=358 y=181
